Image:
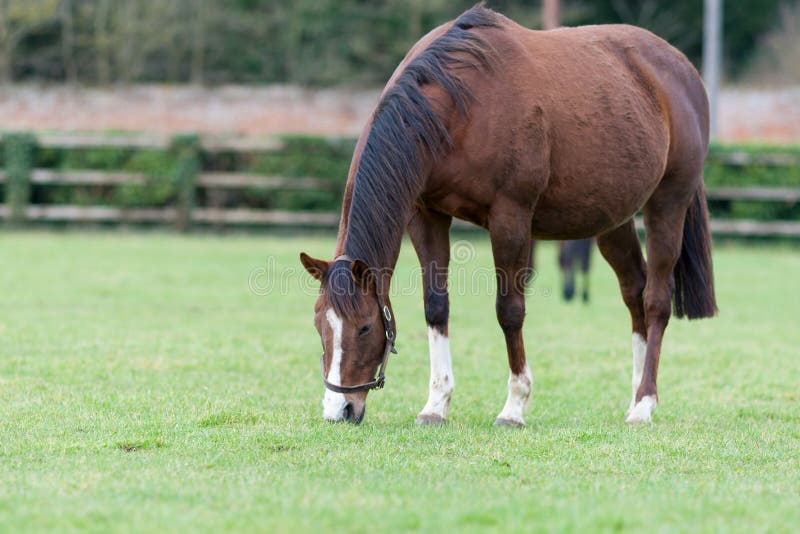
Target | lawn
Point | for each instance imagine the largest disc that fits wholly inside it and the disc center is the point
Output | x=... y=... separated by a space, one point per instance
x=155 y=382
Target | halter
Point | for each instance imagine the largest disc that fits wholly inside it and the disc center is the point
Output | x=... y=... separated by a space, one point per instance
x=388 y=347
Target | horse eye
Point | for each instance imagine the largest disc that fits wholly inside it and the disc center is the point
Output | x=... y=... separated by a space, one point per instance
x=365 y=329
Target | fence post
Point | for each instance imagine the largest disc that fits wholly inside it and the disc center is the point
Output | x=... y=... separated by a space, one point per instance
x=19 y=153
x=185 y=151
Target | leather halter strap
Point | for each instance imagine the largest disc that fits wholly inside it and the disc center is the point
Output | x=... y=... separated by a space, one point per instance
x=388 y=348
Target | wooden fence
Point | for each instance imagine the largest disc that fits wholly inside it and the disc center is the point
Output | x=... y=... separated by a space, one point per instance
x=184 y=214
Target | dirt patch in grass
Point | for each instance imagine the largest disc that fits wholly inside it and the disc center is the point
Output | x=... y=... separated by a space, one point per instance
x=140 y=445
x=228 y=419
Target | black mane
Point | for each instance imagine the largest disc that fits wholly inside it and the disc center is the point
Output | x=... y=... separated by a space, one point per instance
x=405 y=130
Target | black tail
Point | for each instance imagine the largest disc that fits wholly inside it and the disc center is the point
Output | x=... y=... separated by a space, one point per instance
x=694 y=275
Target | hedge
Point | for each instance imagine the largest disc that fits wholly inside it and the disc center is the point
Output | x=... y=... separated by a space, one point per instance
x=719 y=173
x=18 y=154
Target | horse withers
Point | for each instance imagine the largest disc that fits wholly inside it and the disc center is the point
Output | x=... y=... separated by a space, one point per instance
x=561 y=134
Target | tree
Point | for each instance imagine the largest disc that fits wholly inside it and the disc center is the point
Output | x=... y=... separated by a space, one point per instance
x=68 y=41
x=102 y=41
x=17 y=19
x=314 y=42
x=681 y=23
x=778 y=60
x=199 y=30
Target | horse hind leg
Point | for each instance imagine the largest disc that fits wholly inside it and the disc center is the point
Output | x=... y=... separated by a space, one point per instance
x=567 y=264
x=509 y=230
x=678 y=267
x=569 y=283
x=585 y=265
x=664 y=226
x=623 y=251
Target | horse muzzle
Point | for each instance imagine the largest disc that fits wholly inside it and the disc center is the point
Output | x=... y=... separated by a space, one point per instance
x=337 y=408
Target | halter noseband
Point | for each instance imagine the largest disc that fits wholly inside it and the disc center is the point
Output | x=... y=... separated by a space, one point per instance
x=388 y=347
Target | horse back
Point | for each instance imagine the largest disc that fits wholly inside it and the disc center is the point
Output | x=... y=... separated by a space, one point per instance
x=583 y=122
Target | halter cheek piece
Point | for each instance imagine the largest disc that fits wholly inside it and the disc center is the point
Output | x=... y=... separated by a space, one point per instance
x=388 y=347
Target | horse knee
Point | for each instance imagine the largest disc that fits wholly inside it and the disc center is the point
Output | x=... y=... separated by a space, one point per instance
x=510 y=314
x=437 y=310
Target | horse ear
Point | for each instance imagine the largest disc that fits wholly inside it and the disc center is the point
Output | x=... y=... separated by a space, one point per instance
x=362 y=274
x=316 y=268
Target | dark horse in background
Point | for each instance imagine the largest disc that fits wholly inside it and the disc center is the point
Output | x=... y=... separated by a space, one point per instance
x=573 y=256
x=561 y=134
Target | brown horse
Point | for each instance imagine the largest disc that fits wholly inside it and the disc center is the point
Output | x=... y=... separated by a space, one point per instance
x=561 y=134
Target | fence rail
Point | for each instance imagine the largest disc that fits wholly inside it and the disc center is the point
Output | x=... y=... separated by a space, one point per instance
x=747 y=228
x=742 y=158
x=236 y=216
x=155 y=142
x=189 y=177
x=220 y=180
x=775 y=194
x=250 y=217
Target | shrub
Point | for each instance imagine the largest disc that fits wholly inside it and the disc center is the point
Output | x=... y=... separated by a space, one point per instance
x=19 y=156
x=720 y=173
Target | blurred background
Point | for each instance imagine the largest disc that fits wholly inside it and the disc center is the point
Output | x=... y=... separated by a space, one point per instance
x=242 y=113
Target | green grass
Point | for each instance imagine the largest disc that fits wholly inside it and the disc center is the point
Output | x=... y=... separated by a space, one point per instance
x=144 y=386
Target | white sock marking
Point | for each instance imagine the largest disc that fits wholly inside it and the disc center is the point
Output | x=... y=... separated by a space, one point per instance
x=519 y=391
x=333 y=403
x=639 y=351
x=643 y=411
x=442 y=383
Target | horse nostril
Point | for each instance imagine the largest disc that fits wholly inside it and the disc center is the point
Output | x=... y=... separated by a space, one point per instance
x=348 y=412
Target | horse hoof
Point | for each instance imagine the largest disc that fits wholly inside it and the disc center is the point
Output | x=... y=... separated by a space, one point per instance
x=634 y=420
x=429 y=419
x=642 y=412
x=502 y=421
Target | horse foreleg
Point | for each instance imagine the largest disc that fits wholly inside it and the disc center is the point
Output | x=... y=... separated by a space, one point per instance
x=429 y=233
x=510 y=233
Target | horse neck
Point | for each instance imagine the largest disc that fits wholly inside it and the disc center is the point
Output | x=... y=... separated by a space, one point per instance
x=347 y=199
x=378 y=245
x=372 y=226
x=348 y=191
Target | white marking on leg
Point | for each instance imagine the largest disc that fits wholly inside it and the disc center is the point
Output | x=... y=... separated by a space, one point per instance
x=639 y=352
x=333 y=403
x=442 y=383
x=643 y=411
x=519 y=391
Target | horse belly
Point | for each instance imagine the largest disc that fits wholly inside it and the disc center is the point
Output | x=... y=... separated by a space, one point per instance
x=568 y=221
x=600 y=179
x=588 y=202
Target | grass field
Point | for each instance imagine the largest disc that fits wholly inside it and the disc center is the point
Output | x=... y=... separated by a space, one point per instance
x=145 y=384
